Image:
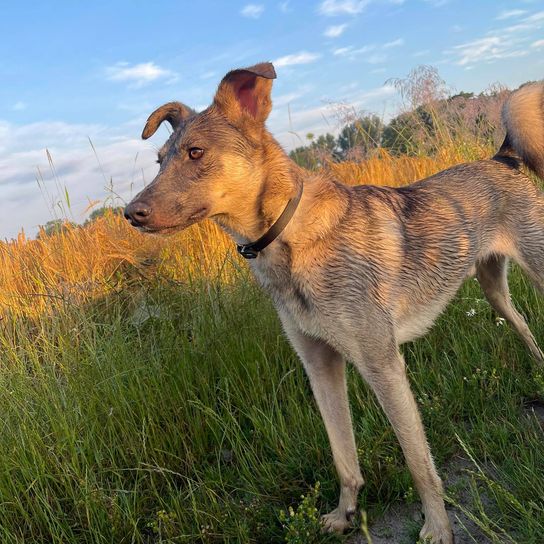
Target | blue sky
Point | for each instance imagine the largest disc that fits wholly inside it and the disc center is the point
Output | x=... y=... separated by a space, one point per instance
x=74 y=71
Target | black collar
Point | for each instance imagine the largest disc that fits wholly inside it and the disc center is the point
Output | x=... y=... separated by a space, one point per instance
x=251 y=250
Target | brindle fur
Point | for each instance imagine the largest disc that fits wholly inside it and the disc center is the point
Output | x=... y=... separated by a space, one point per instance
x=358 y=270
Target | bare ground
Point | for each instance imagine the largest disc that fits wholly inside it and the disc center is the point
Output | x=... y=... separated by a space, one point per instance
x=401 y=524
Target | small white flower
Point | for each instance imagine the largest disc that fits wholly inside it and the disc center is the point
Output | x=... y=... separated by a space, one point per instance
x=499 y=321
x=471 y=312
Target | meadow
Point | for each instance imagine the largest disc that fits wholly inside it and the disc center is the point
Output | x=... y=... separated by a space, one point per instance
x=148 y=395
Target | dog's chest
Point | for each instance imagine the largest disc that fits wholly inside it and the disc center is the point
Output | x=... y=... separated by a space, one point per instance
x=292 y=293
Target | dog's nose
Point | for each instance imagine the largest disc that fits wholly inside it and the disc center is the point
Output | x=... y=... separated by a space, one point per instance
x=137 y=213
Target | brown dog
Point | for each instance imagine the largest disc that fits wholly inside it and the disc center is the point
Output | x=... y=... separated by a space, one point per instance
x=354 y=271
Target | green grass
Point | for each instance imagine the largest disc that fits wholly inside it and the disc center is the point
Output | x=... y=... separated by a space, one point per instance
x=198 y=424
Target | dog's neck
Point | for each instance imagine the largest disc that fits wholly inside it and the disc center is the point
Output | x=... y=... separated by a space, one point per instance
x=278 y=179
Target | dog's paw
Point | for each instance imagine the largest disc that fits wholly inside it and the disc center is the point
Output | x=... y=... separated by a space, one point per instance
x=337 y=521
x=436 y=532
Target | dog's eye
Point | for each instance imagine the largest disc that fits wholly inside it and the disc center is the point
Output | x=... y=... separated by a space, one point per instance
x=195 y=153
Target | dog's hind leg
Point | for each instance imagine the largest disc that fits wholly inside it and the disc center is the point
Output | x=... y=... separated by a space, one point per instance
x=326 y=371
x=529 y=230
x=492 y=275
x=384 y=370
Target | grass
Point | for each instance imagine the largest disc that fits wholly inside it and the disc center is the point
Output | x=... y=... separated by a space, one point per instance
x=148 y=395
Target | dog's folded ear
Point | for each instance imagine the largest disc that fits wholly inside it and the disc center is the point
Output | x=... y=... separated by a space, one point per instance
x=244 y=94
x=173 y=112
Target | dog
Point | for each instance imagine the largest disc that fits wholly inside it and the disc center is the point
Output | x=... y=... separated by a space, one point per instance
x=354 y=272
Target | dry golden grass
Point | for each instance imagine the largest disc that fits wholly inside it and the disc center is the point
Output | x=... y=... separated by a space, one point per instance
x=395 y=171
x=81 y=264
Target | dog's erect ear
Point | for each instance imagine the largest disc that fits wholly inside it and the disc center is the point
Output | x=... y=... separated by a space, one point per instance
x=245 y=93
x=173 y=112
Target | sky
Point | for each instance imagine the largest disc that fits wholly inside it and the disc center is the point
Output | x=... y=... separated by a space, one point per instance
x=78 y=79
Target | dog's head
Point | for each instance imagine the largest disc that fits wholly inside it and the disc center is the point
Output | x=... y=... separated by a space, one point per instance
x=210 y=163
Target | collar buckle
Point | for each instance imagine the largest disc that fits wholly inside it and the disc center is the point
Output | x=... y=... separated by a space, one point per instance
x=246 y=252
x=252 y=250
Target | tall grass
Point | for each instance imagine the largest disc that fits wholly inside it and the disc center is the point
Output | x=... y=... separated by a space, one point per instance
x=148 y=395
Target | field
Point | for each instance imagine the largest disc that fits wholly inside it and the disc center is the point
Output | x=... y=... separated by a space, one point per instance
x=148 y=395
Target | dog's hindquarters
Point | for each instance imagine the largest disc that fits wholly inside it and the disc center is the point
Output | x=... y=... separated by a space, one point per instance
x=523 y=117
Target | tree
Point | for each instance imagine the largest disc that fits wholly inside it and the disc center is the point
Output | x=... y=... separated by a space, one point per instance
x=55 y=226
x=103 y=210
x=359 y=138
x=317 y=153
x=409 y=133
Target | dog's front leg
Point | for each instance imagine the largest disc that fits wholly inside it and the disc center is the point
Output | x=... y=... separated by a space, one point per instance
x=326 y=371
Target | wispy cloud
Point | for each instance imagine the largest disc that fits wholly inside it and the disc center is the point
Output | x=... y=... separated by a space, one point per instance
x=296 y=58
x=285 y=99
x=538 y=44
x=376 y=58
x=137 y=74
x=374 y=53
x=437 y=3
x=395 y=43
x=421 y=53
x=23 y=153
x=331 y=8
x=508 y=14
x=335 y=31
x=485 y=50
x=352 y=52
x=19 y=106
x=525 y=25
x=284 y=7
x=507 y=42
x=252 y=11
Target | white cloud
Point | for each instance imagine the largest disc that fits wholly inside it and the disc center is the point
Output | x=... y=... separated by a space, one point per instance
x=538 y=44
x=285 y=99
x=437 y=3
x=297 y=58
x=137 y=74
x=485 y=50
x=395 y=43
x=351 y=52
x=500 y=43
x=284 y=7
x=421 y=53
x=335 y=31
x=331 y=8
x=341 y=51
x=252 y=11
x=538 y=16
x=19 y=106
x=382 y=92
x=508 y=14
x=526 y=25
x=373 y=53
x=291 y=130
x=122 y=158
x=376 y=58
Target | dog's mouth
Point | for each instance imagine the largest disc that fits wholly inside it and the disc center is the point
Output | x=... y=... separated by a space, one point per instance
x=196 y=216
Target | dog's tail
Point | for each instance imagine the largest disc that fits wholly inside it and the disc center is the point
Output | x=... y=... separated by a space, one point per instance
x=523 y=117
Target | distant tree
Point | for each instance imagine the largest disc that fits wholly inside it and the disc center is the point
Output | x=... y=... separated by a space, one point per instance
x=100 y=212
x=317 y=153
x=55 y=226
x=359 y=138
x=409 y=133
